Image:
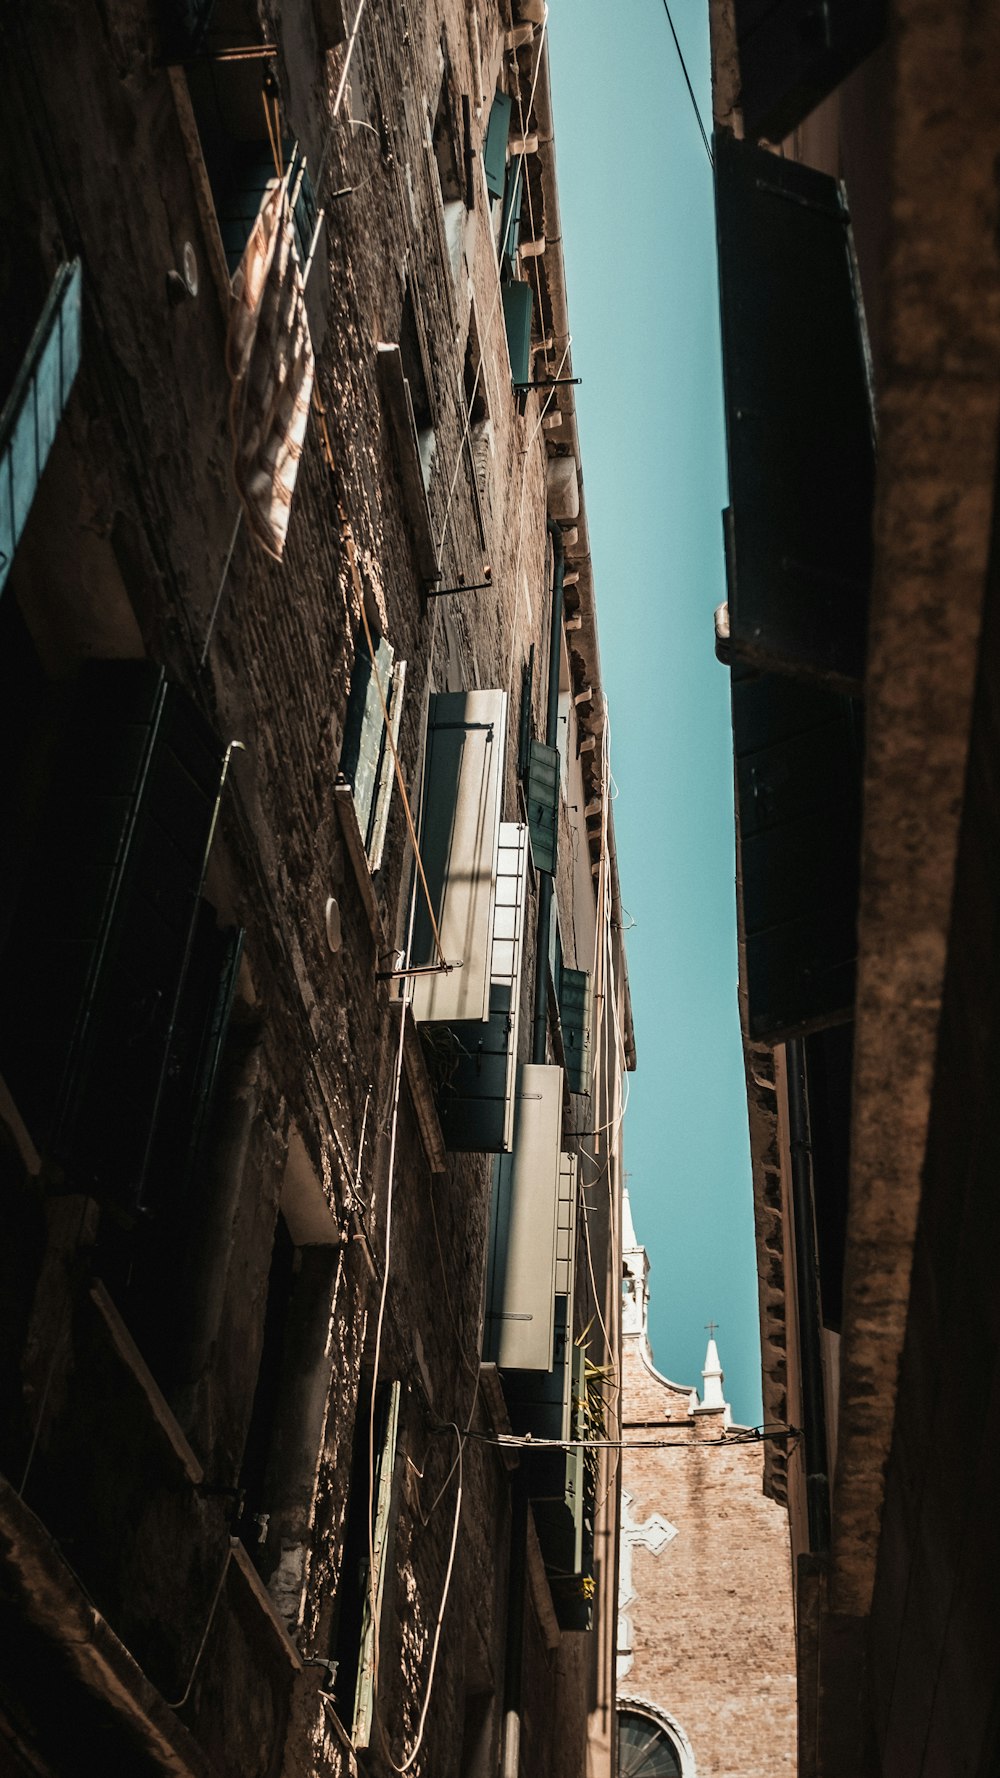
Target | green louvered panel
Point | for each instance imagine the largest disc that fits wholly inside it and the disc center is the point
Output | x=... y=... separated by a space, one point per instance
x=575 y=1013
x=798 y=798
x=799 y=422
x=793 y=53
x=517 y=320
x=471 y=1066
x=495 y=146
x=92 y=979
x=541 y=795
x=35 y=406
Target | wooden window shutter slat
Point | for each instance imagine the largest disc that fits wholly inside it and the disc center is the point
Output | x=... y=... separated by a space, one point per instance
x=474 y=1063
x=575 y=1008
x=517 y=320
x=541 y=794
x=799 y=418
x=35 y=406
x=459 y=835
x=521 y=1268
x=387 y=769
x=798 y=798
x=495 y=146
x=87 y=1029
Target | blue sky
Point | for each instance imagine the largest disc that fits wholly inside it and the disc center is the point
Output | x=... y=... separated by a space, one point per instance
x=636 y=199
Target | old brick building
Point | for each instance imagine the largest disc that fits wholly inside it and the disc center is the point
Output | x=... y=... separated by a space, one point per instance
x=706 y=1654
x=856 y=155
x=313 y=1005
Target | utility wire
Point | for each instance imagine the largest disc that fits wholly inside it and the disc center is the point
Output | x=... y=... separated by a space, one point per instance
x=687 y=80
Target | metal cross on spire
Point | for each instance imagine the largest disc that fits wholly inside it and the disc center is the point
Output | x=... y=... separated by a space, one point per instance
x=710 y=1327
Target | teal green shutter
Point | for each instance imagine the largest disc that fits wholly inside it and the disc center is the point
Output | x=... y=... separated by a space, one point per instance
x=541 y=794
x=495 y=146
x=524 y=727
x=35 y=406
x=574 y=1017
x=382 y=1536
x=517 y=320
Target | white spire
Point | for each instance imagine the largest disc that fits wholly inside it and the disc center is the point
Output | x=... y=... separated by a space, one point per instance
x=629 y=1242
x=713 y=1400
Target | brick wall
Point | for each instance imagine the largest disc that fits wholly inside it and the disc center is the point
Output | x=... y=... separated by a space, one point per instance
x=712 y=1634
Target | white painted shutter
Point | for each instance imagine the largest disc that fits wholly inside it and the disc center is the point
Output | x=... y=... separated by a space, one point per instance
x=520 y=1311
x=459 y=835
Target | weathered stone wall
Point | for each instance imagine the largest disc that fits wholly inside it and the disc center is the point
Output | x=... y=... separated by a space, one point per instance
x=132 y=549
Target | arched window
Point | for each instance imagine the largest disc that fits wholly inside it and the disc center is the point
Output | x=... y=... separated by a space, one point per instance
x=645 y=1749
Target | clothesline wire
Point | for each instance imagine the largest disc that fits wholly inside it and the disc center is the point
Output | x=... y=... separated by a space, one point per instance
x=687 y=81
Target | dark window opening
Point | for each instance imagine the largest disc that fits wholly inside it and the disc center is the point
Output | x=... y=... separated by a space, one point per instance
x=829 y=1064
x=352 y=1633
x=416 y=371
x=246 y=149
x=252 y=1523
x=445 y=150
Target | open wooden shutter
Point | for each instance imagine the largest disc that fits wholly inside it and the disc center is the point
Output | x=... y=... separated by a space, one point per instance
x=561 y=1489
x=798 y=782
x=103 y=933
x=194 y=1060
x=495 y=145
x=575 y=1012
x=510 y=221
x=793 y=53
x=459 y=834
x=799 y=422
x=35 y=406
x=521 y=1271
x=517 y=320
x=541 y=1401
x=384 y=1508
x=474 y=1063
x=541 y=796
x=366 y=757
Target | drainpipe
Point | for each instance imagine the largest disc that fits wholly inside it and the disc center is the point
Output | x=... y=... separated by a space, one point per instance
x=518 y=1573
x=807 y=1291
x=545 y=883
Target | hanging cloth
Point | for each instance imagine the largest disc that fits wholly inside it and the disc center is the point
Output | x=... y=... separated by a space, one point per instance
x=269 y=357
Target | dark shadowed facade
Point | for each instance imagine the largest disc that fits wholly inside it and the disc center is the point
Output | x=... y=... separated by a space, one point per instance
x=313 y=1003
x=856 y=156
